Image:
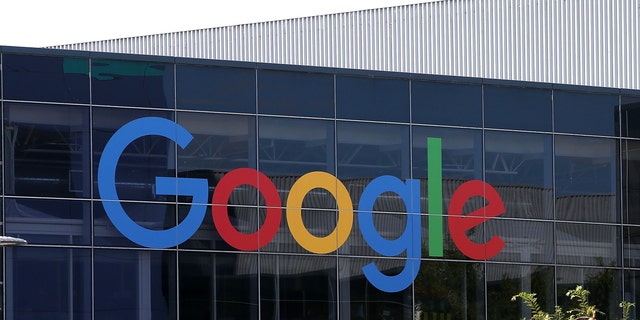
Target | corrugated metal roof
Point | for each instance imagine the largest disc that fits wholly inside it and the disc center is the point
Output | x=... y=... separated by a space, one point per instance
x=583 y=42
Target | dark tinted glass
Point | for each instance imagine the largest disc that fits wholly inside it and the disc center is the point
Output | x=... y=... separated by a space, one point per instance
x=47 y=150
x=220 y=143
x=440 y=286
x=461 y=152
x=49 y=283
x=604 y=286
x=576 y=244
x=370 y=98
x=216 y=88
x=517 y=108
x=450 y=249
x=295 y=93
x=522 y=240
x=218 y=286
x=586 y=174
x=371 y=150
x=45 y=78
x=131 y=284
x=630 y=112
x=142 y=161
x=360 y=300
x=446 y=103
x=632 y=247
x=631 y=181
x=44 y=221
x=298 y=287
x=578 y=112
x=519 y=166
x=506 y=280
x=153 y=216
x=132 y=83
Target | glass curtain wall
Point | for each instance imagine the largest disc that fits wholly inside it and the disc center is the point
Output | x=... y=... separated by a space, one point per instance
x=564 y=160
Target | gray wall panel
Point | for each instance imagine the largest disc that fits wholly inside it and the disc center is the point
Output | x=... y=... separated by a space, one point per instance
x=585 y=42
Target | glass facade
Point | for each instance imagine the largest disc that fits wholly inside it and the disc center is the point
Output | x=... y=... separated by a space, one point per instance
x=564 y=160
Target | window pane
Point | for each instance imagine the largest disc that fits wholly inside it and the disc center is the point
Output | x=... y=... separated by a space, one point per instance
x=586 y=179
x=604 y=285
x=218 y=286
x=142 y=161
x=632 y=247
x=295 y=93
x=517 y=108
x=297 y=287
x=370 y=98
x=589 y=113
x=360 y=300
x=153 y=216
x=446 y=103
x=519 y=166
x=372 y=150
x=630 y=111
x=588 y=244
x=137 y=83
x=461 y=153
x=449 y=290
x=631 y=181
x=48 y=283
x=43 y=221
x=136 y=285
x=525 y=241
x=47 y=150
x=506 y=280
x=45 y=78
x=216 y=88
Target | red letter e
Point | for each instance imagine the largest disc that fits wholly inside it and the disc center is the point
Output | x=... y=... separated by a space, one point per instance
x=459 y=224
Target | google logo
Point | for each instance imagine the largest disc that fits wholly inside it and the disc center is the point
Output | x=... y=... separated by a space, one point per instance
x=408 y=191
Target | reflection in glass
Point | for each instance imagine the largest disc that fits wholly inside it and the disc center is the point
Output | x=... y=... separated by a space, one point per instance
x=220 y=143
x=45 y=78
x=449 y=290
x=218 y=286
x=506 y=280
x=455 y=104
x=295 y=146
x=152 y=216
x=372 y=150
x=45 y=221
x=142 y=161
x=215 y=88
x=295 y=93
x=525 y=241
x=630 y=114
x=632 y=290
x=589 y=113
x=47 y=150
x=604 y=285
x=461 y=152
x=517 y=108
x=136 y=285
x=371 y=98
x=588 y=244
x=137 y=83
x=631 y=247
x=49 y=283
x=298 y=287
x=631 y=181
x=360 y=300
x=519 y=166
x=586 y=174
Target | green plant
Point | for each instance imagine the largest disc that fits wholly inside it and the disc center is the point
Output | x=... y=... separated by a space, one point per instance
x=582 y=310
